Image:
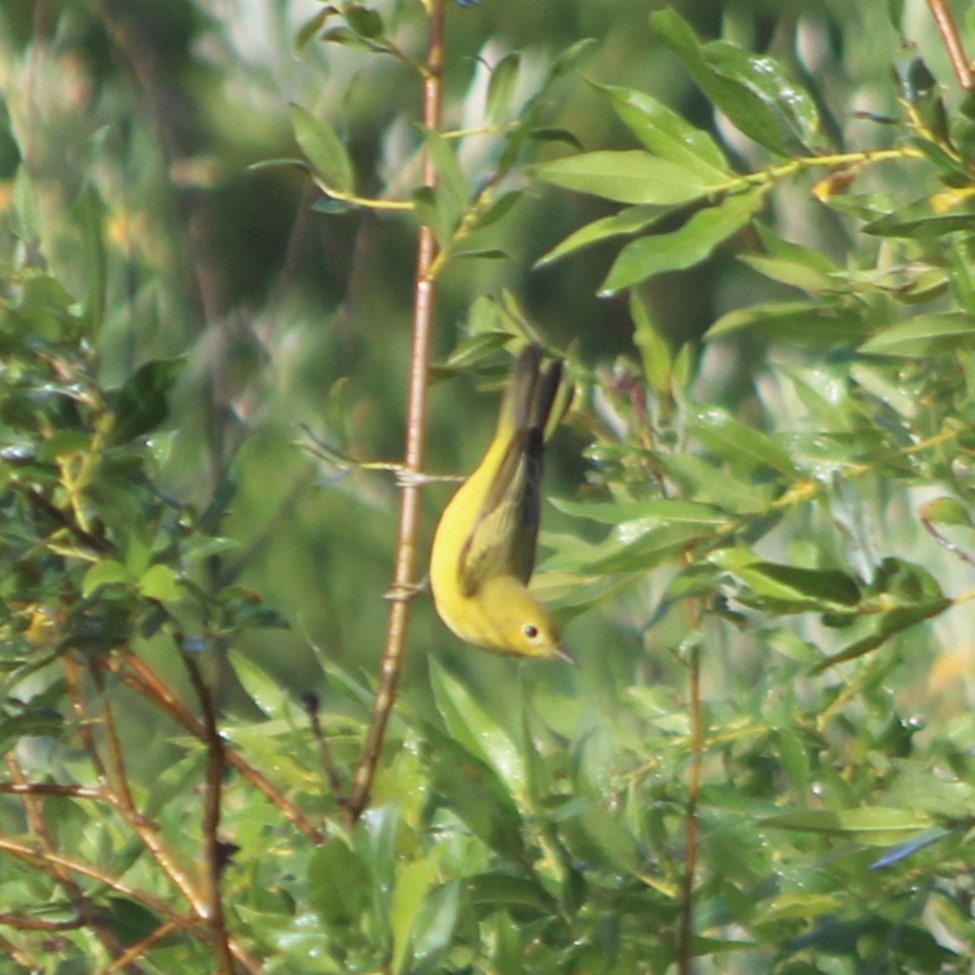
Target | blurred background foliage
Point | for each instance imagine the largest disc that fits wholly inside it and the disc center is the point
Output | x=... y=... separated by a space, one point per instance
x=526 y=818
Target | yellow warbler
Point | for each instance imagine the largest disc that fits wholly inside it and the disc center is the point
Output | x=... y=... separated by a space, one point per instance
x=484 y=547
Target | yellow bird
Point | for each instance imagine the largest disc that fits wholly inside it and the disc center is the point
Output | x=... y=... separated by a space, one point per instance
x=484 y=547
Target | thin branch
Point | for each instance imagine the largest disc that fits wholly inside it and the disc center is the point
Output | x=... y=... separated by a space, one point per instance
x=955 y=550
x=311 y=703
x=141 y=947
x=212 y=857
x=424 y=300
x=116 y=786
x=83 y=907
x=949 y=34
x=51 y=789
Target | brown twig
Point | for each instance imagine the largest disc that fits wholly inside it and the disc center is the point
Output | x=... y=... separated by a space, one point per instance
x=212 y=858
x=424 y=299
x=311 y=703
x=51 y=789
x=62 y=875
x=115 y=785
x=949 y=34
x=955 y=550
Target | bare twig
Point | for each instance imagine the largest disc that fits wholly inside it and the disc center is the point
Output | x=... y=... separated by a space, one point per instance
x=953 y=45
x=115 y=784
x=51 y=789
x=62 y=875
x=424 y=298
x=955 y=550
x=311 y=703
x=212 y=857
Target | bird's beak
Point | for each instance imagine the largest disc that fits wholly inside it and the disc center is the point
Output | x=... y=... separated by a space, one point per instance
x=562 y=654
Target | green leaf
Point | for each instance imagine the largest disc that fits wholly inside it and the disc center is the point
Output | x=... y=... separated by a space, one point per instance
x=870 y=825
x=547 y=133
x=338 y=884
x=667 y=134
x=653 y=345
x=925 y=335
x=628 y=221
x=129 y=920
x=921 y=221
x=752 y=91
x=685 y=247
x=470 y=725
x=480 y=798
x=789 y=588
x=104 y=573
x=141 y=404
x=500 y=208
x=651 y=548
x=159 y=582
x=365 y=21
x=885 y=626
x=487 y=253
x=640 y=515
x=89 y=213
x=434 y=929
x=323 y=149
x=631 y=176
x=264 y=690
x=816 y=325
x=26 y=209
x=743 y=446
x=310 y=28
x=413 y=883
x=435 y=209
x=945 y=511
x=501 y=88
x=449 y=174
x=568 y=59
x=34 y=723
x=594 y=836
x=710 y=484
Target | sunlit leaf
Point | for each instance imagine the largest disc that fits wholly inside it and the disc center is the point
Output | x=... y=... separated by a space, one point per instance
x=685 y=247
x=323 y=149
x=629 y=176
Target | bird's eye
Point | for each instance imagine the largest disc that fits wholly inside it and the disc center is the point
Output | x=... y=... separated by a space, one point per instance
x=530 y=631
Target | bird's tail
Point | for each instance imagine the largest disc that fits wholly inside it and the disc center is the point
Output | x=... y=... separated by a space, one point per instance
x=535 y=400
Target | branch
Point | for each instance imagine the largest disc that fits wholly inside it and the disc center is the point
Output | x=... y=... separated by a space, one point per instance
x=213 y=859
x=949 y=34
x=424 y=300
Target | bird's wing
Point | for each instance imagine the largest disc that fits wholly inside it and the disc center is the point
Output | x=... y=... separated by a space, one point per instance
x=502 y=540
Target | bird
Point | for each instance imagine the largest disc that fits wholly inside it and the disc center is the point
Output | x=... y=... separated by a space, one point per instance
x=483 y=552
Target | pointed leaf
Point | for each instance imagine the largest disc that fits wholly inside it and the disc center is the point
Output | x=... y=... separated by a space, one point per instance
x=742 y=445
x=470 y=724
x=685 y=247
x=628 y=221
x=501 y=88
x=323 y=149
x=665 y=133
x=631 y=176
x=816 y=325
x=141 y=404
x=752 y=91
x=925 y=335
